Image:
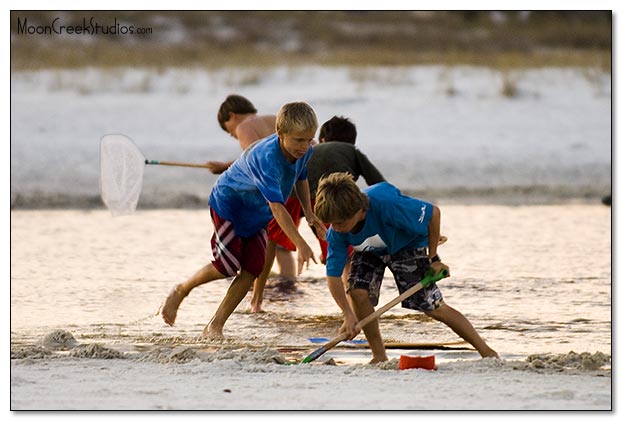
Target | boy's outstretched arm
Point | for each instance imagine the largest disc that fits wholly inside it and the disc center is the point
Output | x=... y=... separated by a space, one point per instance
x=304 y=196
x=218 y=167
x=284 y=219
x=335 y=285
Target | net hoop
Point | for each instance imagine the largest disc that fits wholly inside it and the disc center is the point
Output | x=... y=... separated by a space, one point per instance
x=121 y=174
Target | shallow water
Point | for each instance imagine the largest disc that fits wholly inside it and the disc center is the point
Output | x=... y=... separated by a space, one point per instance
x=531 y=279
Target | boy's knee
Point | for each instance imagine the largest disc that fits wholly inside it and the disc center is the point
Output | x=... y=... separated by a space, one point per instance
x=245 y=277
x=439 y=313
x=359 y=295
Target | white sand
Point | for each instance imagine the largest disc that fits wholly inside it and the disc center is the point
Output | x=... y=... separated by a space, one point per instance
x=182 y=379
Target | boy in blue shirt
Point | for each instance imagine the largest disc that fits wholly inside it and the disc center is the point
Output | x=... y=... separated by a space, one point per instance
x=244 y=199
x=386 y=229
x=335 y=153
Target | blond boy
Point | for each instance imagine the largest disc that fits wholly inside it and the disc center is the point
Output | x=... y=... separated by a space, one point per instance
x=244 y=199
x=238 y=116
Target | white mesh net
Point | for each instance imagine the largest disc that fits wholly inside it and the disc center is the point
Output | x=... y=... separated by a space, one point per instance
x=121 y=176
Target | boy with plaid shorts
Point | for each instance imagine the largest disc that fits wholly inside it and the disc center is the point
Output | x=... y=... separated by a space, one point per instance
x=335 y=153
x=244 y=199
x=386 y=229
x=238 y=117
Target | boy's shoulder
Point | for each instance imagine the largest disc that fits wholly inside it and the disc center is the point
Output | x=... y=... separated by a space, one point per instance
x=249 y=132
x=261 y=146
x=381 y=189
x=257 y=126
x=335 y=150
x=335 y=145
x=385 y=195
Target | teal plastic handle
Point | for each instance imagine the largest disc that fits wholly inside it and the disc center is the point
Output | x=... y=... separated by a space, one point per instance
x=314 y=355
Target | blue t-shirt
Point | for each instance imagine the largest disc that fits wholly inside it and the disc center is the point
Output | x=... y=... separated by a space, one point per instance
x=260 y=175
x=393 y=222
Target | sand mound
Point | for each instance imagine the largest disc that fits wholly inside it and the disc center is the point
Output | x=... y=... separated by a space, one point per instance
x=59 y=340
x=178 y=354
x=258 y=356
x=30 y=352
x=391 y=364
x=572 y=360
x=96 y=351
x=182 y=354
x=570 y=363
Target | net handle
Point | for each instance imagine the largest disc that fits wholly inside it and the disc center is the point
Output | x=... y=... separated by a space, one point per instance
x=175 y=164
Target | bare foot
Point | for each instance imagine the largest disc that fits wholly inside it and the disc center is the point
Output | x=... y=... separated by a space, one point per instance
x=169 y=310
x=210 y=332
x=255 y=304
x=378 y=360
x=256 y=308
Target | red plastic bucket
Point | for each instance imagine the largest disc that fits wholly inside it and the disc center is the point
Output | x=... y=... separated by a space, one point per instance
x=407 y=362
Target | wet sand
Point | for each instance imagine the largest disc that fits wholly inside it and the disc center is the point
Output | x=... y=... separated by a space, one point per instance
x=84 y=334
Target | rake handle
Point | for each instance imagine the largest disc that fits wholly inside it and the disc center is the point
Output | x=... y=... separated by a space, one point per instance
x=427 y=280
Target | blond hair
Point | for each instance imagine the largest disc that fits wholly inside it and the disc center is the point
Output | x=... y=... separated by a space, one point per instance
x=296 y=117
x=339 y=198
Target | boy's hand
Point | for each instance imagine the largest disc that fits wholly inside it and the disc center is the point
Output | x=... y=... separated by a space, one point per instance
x=350 y=326
x=438 y=266
x=217 y=167
x=305 y=254
x=318 y=227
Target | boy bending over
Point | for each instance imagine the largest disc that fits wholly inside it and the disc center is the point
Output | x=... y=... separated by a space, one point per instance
x=386 y=229
x=244 y=199
x=238 y=116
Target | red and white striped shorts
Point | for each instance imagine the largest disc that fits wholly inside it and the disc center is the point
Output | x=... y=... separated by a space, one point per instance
x=232 y=252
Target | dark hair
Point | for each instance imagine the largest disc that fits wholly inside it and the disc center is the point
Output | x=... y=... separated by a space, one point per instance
x=338 y=198
x=234 y=104
x=338 y=129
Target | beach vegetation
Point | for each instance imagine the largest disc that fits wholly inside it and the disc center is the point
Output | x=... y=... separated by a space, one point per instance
x=509 y=85
x=219 y=39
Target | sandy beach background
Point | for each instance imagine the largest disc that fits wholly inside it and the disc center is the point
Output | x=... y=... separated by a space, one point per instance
x=504 y=120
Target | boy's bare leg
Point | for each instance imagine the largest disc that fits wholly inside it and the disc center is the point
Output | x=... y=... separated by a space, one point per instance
x=459 y=324
x=180 y=291
x=260 y=282
x=344 y=280
x=362 y=308
x=286 y=262
x=287 y=271
x=238 y=289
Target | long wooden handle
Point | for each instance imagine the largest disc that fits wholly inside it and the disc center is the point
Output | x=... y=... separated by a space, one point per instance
x=331 y=344
x=175 y=164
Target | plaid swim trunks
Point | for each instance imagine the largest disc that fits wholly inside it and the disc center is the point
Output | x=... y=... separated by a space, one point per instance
x=232 y=252
x=408 y=267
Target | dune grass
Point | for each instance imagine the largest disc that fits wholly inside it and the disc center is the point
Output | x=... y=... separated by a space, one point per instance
x=216 y=39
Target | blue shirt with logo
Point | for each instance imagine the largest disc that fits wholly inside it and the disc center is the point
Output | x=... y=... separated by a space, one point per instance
x=393 y=221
